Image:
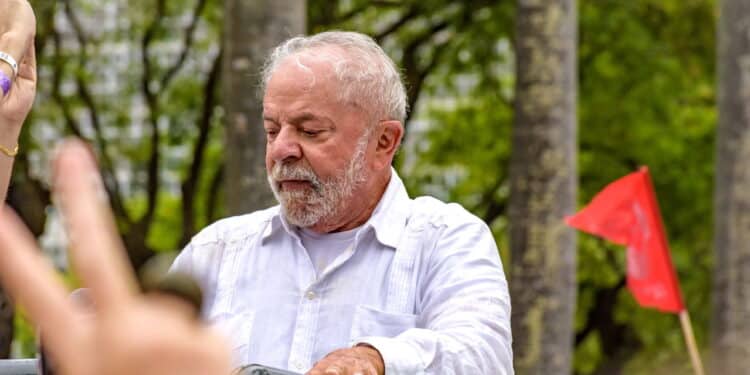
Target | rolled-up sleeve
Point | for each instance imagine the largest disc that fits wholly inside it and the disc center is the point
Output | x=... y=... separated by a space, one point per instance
x=463 y=309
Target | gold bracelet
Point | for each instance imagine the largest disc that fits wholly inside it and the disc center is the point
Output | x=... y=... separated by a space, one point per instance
x=8 y=152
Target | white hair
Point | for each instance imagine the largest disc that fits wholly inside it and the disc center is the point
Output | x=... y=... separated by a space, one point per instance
x=368 y=77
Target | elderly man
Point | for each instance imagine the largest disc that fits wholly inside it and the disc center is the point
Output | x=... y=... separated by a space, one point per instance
x=348 y=275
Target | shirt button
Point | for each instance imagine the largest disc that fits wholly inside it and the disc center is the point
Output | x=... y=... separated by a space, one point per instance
x=298 y=365
x=310 y=295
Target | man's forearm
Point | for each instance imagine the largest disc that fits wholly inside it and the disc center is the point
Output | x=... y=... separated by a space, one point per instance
x=464 y=312
x=459 y=351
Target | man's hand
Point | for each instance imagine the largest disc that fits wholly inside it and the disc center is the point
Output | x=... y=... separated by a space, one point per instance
x=128 y=333
x=359 y=360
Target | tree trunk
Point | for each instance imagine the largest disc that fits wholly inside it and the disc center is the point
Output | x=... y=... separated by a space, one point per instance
x=731 y=289
x=543 y=187
x=252 y=29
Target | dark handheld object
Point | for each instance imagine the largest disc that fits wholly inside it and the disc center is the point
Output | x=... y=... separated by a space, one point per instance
x=256 y=369
x=155 y=278
x=178 y=285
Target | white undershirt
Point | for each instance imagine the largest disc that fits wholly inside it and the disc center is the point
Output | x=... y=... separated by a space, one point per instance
x=324 y=248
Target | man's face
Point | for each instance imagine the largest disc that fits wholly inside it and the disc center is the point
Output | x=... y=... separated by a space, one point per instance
x=316 y=145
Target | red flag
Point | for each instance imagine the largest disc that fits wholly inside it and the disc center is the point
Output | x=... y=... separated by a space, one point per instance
x=626 y=212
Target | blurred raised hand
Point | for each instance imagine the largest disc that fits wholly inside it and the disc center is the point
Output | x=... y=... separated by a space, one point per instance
x=128 y=333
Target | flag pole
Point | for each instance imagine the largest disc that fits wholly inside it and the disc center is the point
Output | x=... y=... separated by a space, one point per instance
x=687 y=327
x=687 y=330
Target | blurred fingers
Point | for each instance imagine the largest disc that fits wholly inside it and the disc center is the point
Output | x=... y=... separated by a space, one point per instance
x=97 y=253
x=33 y=283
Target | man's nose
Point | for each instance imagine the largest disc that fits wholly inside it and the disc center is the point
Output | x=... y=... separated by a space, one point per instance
x=285 y=146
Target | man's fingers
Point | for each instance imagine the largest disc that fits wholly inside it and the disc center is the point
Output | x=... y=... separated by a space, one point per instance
x=333 y=370
x=349 y=361
x=331 y=365
x=96 y=250
x=27 y=68
x=32 y=282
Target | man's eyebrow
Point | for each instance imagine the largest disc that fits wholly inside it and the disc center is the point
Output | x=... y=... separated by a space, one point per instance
x=308 y=116
x=268 y=117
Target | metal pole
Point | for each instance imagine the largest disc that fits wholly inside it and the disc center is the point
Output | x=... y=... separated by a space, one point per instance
x=19 y=367
x=30 y=366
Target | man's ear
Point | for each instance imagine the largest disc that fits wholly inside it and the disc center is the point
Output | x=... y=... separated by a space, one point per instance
x=389 y=136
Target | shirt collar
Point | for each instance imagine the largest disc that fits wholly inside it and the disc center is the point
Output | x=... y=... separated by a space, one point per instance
x=275 y=223
x=392 y=212
x=388 y=220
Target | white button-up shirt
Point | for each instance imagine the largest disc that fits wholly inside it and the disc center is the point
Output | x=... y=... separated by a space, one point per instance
x=422 y=283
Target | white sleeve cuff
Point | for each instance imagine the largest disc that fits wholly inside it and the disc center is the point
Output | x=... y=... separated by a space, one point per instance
x=399 y=357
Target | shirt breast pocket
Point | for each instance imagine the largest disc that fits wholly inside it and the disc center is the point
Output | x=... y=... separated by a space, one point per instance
x=237 y=328
x=369 y=321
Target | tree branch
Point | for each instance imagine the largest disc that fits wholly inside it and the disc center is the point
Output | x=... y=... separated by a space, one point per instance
x=331 y=19
x=113 y=187
x=495 y=207
x=213 y=194
x=414 y=74
x=410 y=14
x=192 y=178
x=189 y=37
x=76 y=24
x=601 y=316
x=57 y=72
x=152 y=184
x=45 y=25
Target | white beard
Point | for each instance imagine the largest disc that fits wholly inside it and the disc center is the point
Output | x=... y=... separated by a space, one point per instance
x=324 y=199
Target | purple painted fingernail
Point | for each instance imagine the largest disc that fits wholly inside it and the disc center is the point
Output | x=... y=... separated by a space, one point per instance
x=4 y=83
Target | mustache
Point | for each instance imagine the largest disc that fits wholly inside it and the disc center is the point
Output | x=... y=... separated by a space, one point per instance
x=284 y=171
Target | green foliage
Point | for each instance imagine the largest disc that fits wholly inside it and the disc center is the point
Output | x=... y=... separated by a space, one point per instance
x=99 y=47
x=646 y=97
x=117 y=73
x=24 y=337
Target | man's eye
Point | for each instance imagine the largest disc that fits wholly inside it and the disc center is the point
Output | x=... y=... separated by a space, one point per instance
x=310 y=133
x=271 y=132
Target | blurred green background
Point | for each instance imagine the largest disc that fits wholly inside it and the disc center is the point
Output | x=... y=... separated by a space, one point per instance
x=116 y=72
